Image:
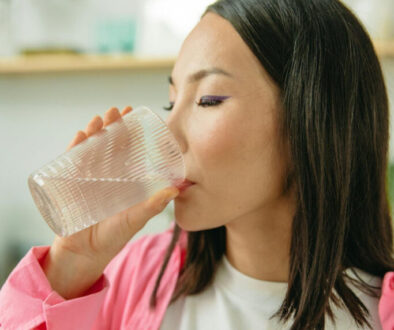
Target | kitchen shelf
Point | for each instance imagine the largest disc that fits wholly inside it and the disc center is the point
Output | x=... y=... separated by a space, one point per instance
x=72 y=63
x=77 y=63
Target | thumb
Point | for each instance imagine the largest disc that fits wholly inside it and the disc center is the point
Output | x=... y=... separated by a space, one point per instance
x=160 y=200
x=138 y=216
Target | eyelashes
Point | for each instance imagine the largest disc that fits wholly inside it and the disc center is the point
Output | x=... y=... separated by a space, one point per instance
x=211 y=100
x=169 y=108
x=205 y=101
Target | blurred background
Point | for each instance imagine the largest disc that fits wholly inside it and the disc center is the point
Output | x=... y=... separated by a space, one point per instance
x=64 y=61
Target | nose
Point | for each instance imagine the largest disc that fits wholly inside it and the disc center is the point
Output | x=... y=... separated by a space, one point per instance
x=174 y=123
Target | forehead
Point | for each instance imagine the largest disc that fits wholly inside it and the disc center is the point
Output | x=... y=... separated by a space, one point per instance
x=215 y=43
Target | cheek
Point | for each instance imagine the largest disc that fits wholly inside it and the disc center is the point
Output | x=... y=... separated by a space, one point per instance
x=239 y=166
x=238 y=152
x=215 y=142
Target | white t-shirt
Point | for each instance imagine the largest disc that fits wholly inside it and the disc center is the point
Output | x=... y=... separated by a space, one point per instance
x=236 y=301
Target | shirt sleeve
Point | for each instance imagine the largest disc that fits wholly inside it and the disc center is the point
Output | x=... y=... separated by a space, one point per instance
x=119 y=299
x=386 y=302
x=27 y=300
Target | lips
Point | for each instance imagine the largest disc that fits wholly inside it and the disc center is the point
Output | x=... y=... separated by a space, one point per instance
x=184 y=185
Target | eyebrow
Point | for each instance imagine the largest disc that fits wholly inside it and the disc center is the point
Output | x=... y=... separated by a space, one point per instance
x=202 y=74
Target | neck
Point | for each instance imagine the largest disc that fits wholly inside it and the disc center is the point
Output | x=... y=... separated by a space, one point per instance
x=258 y=245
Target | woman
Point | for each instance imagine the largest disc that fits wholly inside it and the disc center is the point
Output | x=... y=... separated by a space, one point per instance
x=281 y=112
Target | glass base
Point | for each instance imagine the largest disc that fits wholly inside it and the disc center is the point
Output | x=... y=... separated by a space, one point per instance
x=44 y=204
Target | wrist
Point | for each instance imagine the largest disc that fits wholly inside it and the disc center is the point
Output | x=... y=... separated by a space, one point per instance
x=70 y=274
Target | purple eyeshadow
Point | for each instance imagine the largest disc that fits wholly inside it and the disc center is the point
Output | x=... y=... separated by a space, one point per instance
x=215 y=97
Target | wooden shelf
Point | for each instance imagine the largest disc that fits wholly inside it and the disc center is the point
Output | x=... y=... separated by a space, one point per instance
x=77 y=63
x=73 y=63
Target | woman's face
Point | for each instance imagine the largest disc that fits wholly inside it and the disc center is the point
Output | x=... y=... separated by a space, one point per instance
x=230 y=140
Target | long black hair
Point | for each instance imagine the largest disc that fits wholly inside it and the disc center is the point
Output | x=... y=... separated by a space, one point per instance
x=335 y=119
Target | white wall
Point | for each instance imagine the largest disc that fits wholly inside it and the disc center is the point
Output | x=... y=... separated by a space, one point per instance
x=388 y=72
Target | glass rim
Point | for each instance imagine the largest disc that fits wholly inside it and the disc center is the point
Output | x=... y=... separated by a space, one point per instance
x=172 y=137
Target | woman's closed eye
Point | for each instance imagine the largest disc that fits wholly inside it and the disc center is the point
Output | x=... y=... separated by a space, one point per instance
x=205 y=101
x=169 y=108
x=211 y=100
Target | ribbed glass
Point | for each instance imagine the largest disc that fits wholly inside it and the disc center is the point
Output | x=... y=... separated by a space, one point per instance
x=114 y=169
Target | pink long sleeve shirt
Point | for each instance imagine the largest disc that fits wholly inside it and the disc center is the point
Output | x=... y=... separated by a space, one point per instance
x=120 y=297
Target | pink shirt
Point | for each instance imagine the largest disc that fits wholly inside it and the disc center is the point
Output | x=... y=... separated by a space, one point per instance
x=120 y=297
x=386 y=302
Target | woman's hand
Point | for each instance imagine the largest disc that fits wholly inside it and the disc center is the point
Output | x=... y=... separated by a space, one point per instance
x=75 y=262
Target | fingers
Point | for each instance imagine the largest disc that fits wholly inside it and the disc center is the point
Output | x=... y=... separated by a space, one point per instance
x=159 y=201
x=137 y=216
x=79 y=137
x=97 y=123
x=126 y=110
x=94 y=125
x=111 y=115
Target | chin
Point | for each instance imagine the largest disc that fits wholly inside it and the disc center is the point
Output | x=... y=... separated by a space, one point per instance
x=193 y=224
x=190 y=219
x=188 y=226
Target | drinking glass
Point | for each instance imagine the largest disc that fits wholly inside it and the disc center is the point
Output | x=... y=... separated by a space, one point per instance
x=123 y=164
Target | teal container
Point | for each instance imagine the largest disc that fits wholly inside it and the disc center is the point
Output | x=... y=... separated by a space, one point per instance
x=116 y=35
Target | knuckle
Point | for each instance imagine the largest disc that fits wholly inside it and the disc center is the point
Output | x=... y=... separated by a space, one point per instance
x=132 y=224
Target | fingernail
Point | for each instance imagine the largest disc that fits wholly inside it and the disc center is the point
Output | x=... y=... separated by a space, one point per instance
x=162 y=198
x=169 y=196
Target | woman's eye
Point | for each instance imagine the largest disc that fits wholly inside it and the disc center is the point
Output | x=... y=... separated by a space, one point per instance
x=169 y=108
x=210 y=100
x=205 y=101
